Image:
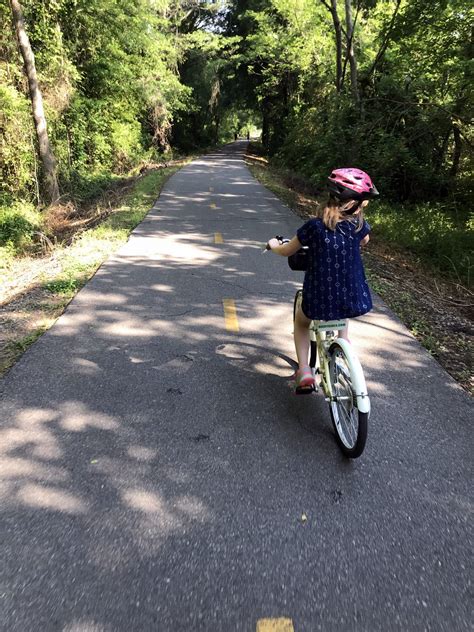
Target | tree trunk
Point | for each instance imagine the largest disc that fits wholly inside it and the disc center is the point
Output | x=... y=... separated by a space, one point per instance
x=350 y=51
x=386 y=40
x=48 y=161
x=456 y=151
x=265 y=125
x=214 y=106
x=463 y=104
x=338 y=36
x=440 y=154
x=217 y=126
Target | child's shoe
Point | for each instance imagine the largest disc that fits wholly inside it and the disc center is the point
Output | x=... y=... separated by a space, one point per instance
x=304 y=379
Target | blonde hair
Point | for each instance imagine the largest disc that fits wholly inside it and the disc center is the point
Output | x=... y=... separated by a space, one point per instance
x=335 y=211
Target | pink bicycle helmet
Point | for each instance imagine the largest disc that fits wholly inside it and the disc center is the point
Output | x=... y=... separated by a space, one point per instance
x=351 y=184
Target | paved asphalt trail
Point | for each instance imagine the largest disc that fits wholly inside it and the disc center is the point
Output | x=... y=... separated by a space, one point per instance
x=155 y=467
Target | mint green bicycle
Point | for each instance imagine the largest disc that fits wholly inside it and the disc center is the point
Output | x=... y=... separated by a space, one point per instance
x=338 y=373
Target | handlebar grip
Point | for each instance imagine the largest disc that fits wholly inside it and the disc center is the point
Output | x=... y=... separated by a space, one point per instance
x=280 y=238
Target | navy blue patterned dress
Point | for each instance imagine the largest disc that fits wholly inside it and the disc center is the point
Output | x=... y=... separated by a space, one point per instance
x=334 y=284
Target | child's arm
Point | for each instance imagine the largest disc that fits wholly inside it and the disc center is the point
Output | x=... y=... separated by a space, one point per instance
x=285 y=250
x=365 y=240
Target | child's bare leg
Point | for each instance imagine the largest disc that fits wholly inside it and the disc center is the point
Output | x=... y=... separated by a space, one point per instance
x=301 y=333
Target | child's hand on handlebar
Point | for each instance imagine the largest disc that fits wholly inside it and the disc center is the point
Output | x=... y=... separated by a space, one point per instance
x=273 y=243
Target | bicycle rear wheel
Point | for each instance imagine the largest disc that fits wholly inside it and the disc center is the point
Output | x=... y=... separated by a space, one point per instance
x=350 y=424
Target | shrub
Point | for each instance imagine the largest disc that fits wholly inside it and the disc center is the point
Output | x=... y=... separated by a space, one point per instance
x=16 y=145
x=430 y=230
x=18 y=225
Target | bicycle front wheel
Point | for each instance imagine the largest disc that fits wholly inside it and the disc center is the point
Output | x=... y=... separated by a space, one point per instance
x=350 y=424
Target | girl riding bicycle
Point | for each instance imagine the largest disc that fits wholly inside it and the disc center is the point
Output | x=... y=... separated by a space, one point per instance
x=334 y=286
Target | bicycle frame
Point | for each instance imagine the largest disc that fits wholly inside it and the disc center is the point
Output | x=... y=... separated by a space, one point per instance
x=322 y=345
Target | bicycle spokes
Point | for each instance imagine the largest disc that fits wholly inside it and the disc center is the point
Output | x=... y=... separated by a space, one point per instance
x=342 y=403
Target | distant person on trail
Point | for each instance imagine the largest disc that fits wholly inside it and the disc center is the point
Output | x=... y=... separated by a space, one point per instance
x=334 y=284
x=235 y=135
x=248 y=135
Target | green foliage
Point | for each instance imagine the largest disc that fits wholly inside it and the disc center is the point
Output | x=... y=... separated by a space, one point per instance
x=406 y=120
x=18 y=224
x=104 y=138
x=87 y=186
x=17 y=162
x=108 y=73
x=123 y=80
x=207 y=69
x=430 y=230
x=410 y=125
x=67 y=286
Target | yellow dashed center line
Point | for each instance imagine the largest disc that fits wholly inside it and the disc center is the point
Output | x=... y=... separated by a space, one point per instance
x=230 y=315
x=212 y=205
x=218 y=239
x=275 y=625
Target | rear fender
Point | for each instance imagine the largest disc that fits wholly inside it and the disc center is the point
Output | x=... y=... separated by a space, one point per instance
x=357 y=374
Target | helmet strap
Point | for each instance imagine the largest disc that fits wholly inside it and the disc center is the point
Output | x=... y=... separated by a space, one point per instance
x=353 y=209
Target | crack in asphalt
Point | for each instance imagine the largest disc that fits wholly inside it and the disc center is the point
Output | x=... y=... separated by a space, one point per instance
x=242 y=287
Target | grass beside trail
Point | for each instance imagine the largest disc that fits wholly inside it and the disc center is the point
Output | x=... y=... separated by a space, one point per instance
x=436 y=308
x=68 y=267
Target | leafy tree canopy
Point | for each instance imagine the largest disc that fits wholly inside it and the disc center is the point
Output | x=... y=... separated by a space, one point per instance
x=385 y=84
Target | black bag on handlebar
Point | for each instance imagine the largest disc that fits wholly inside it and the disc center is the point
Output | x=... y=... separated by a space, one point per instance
x=299 y=261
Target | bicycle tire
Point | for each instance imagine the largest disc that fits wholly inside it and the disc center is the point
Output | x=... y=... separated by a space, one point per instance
x=349 y=423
